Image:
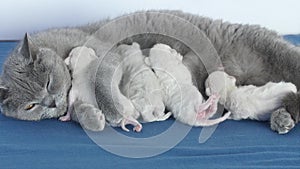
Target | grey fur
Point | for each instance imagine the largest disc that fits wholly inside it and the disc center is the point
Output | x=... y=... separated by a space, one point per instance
x=252 y=54
x=291 y=104
x=281 y=121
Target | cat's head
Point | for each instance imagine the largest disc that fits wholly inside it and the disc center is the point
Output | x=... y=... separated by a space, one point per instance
x=34 y=83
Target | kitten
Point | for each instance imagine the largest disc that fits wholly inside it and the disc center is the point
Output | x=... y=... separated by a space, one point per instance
x=141 y=85
x=181 y=97
x=248 y=102
x=79 y=62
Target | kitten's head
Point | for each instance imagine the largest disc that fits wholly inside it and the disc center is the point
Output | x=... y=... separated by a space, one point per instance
x=132 y=53
x=34 y=83
x=162 y=55
x=219 y=82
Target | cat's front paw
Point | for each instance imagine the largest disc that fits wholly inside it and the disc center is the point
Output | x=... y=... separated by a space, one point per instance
x=90 y=117
x=281 y=121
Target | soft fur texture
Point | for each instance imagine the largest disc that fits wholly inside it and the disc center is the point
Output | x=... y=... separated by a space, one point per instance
x=252 y=54
x=181 y=97
x=80 y=62
x=141 y=86
x=281 y=121
x=249 y=102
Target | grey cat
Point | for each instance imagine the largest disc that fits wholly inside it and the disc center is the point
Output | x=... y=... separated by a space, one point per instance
x=35 y=81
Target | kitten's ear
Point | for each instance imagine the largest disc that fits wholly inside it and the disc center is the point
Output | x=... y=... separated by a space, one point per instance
x=28 y=49
x=147 y=61
x=3 y=91
x=221 y=67
x=207 y=91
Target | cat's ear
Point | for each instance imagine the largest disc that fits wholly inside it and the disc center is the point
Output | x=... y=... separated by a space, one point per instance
x=28 y=49
x=3 y=91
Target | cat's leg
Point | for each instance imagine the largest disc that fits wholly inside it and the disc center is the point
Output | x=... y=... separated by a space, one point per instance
x=282 y=59
x=151 y=114
x=146 y=111
x=281 y=121
x=291 y=102
x=66 y=117
x=88 y=116
x=159 y=112
x=207 y=122
x=164 y=117
x=130 y=120
x=209 y=108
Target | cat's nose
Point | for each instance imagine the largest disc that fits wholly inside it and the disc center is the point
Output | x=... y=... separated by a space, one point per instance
x=52 y=104
x=49 y=102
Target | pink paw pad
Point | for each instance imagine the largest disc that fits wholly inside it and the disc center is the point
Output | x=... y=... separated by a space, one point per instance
x=200 y=115
x=138 y=128
x=65 y=118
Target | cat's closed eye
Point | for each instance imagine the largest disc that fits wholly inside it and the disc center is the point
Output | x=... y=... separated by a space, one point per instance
x=29 y=107
x=49 y=86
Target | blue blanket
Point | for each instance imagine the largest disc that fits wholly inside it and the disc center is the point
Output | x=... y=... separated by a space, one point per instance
x=234 y=144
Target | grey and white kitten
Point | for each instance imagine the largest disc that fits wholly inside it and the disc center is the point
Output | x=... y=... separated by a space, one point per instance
x=35 y=81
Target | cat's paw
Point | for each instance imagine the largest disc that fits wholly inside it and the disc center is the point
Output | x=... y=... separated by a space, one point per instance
x=90 y=117
x=281 y=121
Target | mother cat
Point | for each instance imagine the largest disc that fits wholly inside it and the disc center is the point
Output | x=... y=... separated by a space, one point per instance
x=35 y=81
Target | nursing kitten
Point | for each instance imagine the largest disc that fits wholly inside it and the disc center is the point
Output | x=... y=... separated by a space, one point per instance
x=141 y=86
x=181 y=97
x=80 y=64
x=249 y=102
x=35 y=81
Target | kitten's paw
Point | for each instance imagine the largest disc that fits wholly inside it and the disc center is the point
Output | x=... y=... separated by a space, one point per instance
x=137 y=126
x=90 y=118
x=281 y=121
x=65 y=118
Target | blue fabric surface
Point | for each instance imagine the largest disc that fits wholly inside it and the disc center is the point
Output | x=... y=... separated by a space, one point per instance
x=234 y=144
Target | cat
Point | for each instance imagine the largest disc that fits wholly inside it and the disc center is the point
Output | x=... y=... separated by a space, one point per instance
x=35 y=68
x=141 y=85
x=249 y=102
x=181 y=97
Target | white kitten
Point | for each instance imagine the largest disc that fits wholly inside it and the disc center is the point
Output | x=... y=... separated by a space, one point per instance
x=247 y=102
x=141 y=85
x=79 y=61
x=181 y=97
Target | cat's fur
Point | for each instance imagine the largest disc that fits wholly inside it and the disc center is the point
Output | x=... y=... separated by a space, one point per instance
x=252 y=54
x=181 y=97
x=141 y=86
x=249 y=102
